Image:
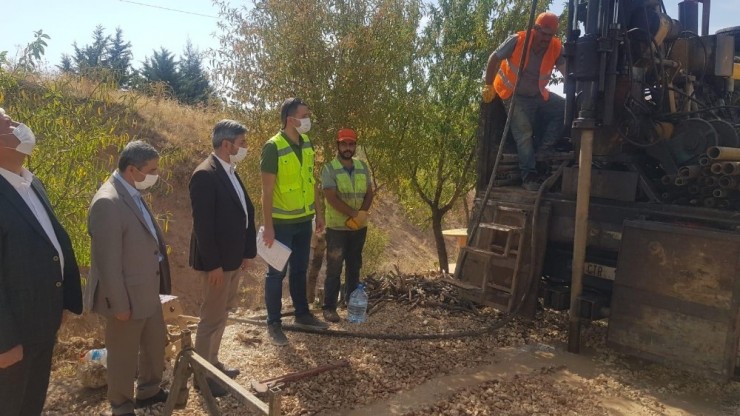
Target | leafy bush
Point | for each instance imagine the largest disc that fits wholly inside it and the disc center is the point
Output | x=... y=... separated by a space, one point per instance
x=78 y=143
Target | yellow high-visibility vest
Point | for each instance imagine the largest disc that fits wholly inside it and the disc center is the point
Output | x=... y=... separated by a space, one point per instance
x=293 y=194
x=350 y=192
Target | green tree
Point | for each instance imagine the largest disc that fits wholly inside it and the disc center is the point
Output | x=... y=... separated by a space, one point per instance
x=32 y=53
x=90 y=58
x=435 y=141
x=161 y=69
x=65 y=65
x=194 y=85
x=347 y=59
x=118 y=59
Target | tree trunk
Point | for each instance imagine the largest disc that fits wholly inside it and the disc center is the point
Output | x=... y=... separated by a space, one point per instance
x=439 y=239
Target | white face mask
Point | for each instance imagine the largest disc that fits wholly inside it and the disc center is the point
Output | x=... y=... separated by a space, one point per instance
x=148 y=182
x=305 y=125
x=26 y=137
x=239 y=156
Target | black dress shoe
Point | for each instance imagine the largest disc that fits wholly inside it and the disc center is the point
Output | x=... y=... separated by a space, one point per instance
x=160 y=397
x=230 y=372
x=216 y=389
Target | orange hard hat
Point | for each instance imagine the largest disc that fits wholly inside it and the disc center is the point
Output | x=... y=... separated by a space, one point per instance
x=548 y=22
x=346 y=135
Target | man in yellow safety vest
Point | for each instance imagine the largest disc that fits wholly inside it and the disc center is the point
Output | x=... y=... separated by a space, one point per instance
x=346 y=184
x=535 y=106
x=288 y=208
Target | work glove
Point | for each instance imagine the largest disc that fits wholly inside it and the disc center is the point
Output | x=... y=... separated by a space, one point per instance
x=352 y=224
x=361 y=218
x=489 y=93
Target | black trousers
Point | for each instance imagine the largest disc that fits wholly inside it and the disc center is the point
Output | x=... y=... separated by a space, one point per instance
x=23 y=385
x=342 y=247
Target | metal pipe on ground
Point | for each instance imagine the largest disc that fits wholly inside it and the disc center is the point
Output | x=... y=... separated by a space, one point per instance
x=667 y=179
x=719 y=153
x=728 y=182
x=680 y=182
x=719 y=193
x=704 y=160
x=711 y=181
x=689 y=171
x=731 y=168
x=717 y=168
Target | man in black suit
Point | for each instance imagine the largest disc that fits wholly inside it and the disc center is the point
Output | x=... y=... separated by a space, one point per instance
x=39 y=277
x=223 y=239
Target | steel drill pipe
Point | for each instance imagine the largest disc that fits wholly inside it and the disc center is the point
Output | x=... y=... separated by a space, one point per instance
x=719 y=193
x=718 y=153
x=680 y=182
x=731 y=168
x=728 y=182
x=704 y=160
x=689 y=171
x=667 y=179
x=711 y=181
x=706 y=191
x=717 y=168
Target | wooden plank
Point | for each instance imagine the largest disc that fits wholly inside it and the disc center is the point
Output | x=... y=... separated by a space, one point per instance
x=240 y=393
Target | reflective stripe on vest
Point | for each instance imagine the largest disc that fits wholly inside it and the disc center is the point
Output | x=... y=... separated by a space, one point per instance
x=508 y=71
x=351 y=192
x=293 y=193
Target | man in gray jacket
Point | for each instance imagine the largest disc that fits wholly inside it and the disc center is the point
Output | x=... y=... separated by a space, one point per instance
x=129 y=269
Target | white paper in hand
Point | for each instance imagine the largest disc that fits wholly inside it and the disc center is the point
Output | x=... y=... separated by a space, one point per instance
x=276 y=256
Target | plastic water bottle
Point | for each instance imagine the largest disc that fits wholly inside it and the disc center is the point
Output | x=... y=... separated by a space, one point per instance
x=357 y=305
x=99 y=355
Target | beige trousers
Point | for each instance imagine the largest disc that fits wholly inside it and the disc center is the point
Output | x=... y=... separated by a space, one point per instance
x=136 y=344
x=213 y=313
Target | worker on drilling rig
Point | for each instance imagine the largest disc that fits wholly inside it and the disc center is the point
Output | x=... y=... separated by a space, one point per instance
x=535 y=105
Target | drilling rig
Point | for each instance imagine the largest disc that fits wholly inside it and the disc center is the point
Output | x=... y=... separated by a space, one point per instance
x=640 y=223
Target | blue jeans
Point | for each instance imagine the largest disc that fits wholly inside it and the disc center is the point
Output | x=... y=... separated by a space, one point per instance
x=298 y=238
x=535 y=124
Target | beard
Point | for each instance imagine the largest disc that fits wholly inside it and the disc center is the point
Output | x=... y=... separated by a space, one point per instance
x=346 y=155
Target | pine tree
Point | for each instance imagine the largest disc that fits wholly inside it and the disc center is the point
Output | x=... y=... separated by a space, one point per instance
x=194 y=86
x=66 y=64
x=118 y=59
x=162 y=68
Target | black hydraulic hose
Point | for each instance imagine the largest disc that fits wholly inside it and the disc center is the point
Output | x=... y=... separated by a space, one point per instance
x=260 y=321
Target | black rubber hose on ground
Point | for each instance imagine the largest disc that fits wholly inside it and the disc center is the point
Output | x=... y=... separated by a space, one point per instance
x=260 y=321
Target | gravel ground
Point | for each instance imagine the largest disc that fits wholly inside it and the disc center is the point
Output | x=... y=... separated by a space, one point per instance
x=380 y=369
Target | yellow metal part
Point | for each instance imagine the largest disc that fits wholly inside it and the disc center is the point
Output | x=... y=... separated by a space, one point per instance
x=736 y=72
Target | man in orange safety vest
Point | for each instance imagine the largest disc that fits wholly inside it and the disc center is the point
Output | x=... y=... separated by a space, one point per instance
x=535 y=105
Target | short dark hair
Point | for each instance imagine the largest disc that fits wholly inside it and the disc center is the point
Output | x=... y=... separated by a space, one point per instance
x=289 y=108
x=136 y=153
x=226 y=130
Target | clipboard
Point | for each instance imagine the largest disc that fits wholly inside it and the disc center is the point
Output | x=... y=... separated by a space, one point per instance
x=276 y=256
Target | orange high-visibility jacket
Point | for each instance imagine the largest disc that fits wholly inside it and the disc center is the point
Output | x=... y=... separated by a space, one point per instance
x=509 y=69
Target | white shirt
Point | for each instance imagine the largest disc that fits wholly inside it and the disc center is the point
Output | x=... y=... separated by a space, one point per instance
x=22 y=185
x=229 y=168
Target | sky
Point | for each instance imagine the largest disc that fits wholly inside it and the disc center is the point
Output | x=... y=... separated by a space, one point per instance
x=146 y=27
x=149 y=28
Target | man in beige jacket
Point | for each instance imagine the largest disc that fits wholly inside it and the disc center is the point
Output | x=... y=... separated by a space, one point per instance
x=129 y=269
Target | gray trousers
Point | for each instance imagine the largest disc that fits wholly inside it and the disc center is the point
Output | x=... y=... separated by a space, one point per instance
x=213 y=313
x=136 y=344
